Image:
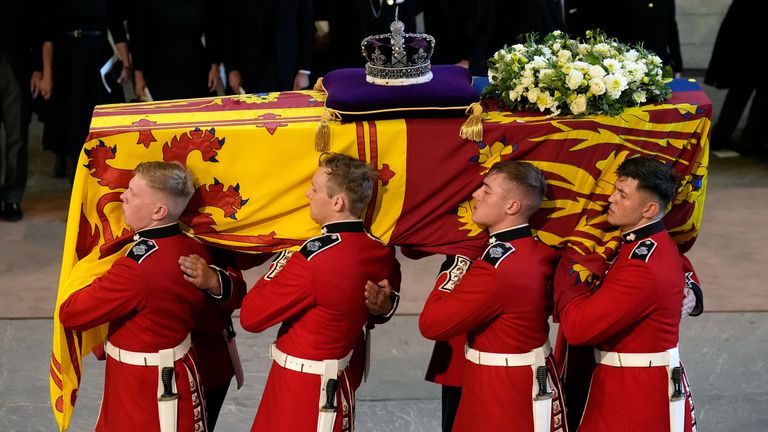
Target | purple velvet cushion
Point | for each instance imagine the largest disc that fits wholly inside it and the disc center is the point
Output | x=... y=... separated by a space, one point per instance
x=447 y=95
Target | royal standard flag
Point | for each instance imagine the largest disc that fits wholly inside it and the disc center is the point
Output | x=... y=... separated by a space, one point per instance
x=253 y=157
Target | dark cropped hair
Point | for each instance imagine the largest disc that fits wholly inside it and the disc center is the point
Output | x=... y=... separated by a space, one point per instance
x=526 y=176
x=351 y=177
x=652 y=176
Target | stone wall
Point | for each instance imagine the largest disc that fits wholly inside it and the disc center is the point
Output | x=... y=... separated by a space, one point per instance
x=698 y=22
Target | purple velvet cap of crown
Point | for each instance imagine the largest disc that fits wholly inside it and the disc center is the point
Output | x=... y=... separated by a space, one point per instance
x=348 y=91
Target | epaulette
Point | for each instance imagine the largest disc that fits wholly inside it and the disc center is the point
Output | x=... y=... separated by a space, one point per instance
x=278 y=263
x=317 y=244
x=453 y=269
x=497 y=252
x=643 y=250
x=142 y=249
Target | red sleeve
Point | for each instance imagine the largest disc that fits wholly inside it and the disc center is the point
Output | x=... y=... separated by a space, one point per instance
x=119 y=292
x=277 y=297
x=472 y=302
x=617 y=304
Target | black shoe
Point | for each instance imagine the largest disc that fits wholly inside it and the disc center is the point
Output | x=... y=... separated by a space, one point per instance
x=12 y=212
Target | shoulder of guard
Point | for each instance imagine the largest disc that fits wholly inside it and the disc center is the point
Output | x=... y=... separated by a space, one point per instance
x=643 y=250
x=315 y=245
x=496 y=253
x=142 y=249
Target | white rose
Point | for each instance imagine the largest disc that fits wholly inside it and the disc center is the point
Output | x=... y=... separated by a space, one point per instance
x=579 y=104
x=596 y=71
x=583 y=49
x=631 y=55
x=564 y=56
x=597 y=86
x=639 y=96
x=533 y=94
x=574 y=79
x=556 y=46
x=518 y=47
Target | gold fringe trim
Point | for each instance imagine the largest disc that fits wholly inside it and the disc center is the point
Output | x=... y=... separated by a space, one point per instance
x=472 y=129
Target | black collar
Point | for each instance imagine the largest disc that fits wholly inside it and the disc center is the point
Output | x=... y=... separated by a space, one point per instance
x=644 y=231
x=510 y=234
x=343 y=226
x=169 y=230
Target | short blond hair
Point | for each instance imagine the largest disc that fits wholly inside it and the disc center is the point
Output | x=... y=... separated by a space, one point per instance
x=171 y=178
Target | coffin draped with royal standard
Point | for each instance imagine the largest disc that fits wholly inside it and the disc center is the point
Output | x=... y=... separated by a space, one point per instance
x=253 y=157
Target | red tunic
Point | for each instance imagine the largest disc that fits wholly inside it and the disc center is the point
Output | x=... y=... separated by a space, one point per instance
x=149 y=307
x=318 y=296
x=501 y=304
x=636 y=309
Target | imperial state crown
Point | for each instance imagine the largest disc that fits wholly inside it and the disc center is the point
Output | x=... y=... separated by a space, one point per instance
x=398 y=58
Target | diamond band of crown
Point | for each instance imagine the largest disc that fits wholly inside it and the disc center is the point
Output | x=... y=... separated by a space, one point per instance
x=398 y=58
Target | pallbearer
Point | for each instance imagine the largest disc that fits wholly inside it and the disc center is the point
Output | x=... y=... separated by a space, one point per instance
x=633 y=316
x=501 y=302
x=151 y=378
x=318 y=294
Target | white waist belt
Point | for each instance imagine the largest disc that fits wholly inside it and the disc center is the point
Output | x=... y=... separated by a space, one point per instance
x=507 y=360
x=145 y=359
x=670 y=357
x=316 y=367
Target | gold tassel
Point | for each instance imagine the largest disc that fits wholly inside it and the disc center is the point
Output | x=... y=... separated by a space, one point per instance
x=472 y=129
x=323 y=133
x=319 y=85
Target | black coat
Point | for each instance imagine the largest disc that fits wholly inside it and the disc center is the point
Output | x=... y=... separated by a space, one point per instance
x=739 y=45
x=166 y=45
x=77 y=83
x=350 y=21
x=268 y=42
x=650 y=22
x=461 y=31
x=20 y=39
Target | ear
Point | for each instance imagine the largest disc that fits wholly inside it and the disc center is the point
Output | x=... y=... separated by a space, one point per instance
x=651 y=209
x=513 y=207
x=338 y=203
x=160 y=213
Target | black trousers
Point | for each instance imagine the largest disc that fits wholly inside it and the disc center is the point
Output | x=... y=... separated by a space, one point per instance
x=451 y=396
x=214 y=399
x=15 y=112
